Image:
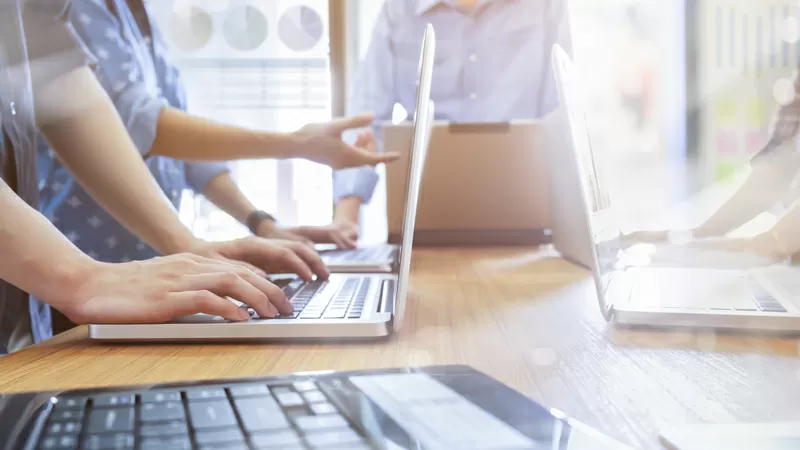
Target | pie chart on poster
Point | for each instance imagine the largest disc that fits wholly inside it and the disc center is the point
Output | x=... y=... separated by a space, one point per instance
x=190 y=28
x=300 y=28
x=245 y=28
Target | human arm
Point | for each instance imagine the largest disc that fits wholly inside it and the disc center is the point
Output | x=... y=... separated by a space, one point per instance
x=373 y=90
x=41 y=261
x=81 y=125
x=223 y=192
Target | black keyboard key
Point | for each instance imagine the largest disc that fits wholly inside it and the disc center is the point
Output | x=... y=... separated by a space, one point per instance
x=160 y=396
x=65 y=403
x=323 y=408
x=303 y=386
x=206 y=394
x=67 y=442
x=121 y=441
x=310 y=424
x=115 y=420
x=67 y=415
x=161 y=412
x=164 y=429
x=71 y=427
x=315 y=397
x=278 y=440
x=228 y=446
x=290 y=399
x=249 y=390
x=334 y=439
x=105 y=401
x=219 y=437
x=211 y=414
x=165 y=443
x=261 y=414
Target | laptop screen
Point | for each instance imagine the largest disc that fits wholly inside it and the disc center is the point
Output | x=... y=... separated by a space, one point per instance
x=602 y=222
x=423 y=118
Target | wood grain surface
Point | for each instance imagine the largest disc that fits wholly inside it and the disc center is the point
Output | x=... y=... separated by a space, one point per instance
x=520 y=315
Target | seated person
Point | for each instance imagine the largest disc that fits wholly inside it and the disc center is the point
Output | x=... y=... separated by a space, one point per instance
x=774 y=169
x=492 y=64
x=46 y=84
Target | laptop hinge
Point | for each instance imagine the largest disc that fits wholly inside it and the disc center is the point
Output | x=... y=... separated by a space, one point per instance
x=388 y=291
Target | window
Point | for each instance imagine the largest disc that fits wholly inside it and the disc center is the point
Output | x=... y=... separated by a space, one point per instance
x=260 y=64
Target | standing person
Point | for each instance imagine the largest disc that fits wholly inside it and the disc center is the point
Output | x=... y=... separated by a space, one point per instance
x=45 y=83
x=492 y=64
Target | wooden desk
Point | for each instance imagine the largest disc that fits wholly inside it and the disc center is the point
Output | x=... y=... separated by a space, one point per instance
x=528 y=320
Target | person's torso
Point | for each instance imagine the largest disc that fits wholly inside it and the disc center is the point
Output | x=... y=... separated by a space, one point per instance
x=490 y=64
x=70 y=208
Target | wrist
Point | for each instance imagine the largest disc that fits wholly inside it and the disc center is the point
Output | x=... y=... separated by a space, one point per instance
x=69 y=281
x=347 y=210
x=266 y=227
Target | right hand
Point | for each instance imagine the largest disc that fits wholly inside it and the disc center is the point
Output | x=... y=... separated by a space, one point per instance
x=342 y=233
x=322 y=143
x=162 y=289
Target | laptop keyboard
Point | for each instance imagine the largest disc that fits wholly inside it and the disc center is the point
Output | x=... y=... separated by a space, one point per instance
x=346 y=303
x=247 y=415
x=359 y=254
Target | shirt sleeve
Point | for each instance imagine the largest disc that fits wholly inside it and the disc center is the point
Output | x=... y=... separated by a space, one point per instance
x=118 y=71
x=198 y=175
x=372 y=91
x=53 y=47
x=558 y=32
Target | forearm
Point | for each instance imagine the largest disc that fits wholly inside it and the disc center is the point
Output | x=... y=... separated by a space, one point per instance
x=761 y=190
x=82 y=126
x=185 y=137
x=783 y=239
x=347 y=209
x=223 y=192
x=36 y=257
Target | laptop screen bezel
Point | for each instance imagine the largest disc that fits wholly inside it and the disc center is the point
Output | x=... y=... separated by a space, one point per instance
x=563 y=69
x=421 y=136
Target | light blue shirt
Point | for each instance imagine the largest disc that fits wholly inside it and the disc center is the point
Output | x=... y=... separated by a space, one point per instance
x=140 y=79
x=492 y=64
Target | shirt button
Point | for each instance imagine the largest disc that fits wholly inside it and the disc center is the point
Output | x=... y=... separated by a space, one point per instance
x=473 y=57
x=13 y=107
x=473 y=96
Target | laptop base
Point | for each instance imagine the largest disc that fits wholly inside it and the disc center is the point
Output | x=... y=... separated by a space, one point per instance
x=477 y=238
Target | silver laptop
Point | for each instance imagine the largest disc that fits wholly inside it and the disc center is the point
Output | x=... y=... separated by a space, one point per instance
x=633 y=293
x=344 y=306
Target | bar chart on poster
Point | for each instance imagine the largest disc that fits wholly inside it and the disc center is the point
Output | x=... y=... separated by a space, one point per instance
x=748 y=55
x=264 y=65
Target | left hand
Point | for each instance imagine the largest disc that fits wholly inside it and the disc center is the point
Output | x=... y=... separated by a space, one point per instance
x=268 y=255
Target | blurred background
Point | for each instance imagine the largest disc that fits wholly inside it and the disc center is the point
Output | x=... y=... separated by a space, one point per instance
x=681 y=90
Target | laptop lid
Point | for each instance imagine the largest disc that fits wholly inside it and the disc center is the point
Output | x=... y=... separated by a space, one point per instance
x=423 y=118
x=598 y=224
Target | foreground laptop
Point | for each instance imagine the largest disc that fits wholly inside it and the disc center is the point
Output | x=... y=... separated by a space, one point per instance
x=344 y=306
x=434 y=408
x=632 y=293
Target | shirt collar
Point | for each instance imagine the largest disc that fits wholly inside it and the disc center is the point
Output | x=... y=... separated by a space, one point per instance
x=424 y=6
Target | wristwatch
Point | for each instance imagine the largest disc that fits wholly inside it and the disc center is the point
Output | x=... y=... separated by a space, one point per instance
x=255 y=218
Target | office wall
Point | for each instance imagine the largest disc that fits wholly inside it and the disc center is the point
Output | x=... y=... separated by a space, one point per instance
x=743 y=60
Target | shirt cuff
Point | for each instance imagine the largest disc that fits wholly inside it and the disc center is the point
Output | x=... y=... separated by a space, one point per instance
x=198 y=175
x=140 y=112
x=356 y=181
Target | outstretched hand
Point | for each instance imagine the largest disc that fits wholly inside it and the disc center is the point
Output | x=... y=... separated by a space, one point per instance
x=322 y=143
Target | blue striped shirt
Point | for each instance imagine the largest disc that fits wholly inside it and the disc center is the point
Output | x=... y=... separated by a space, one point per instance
x=492 y=64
